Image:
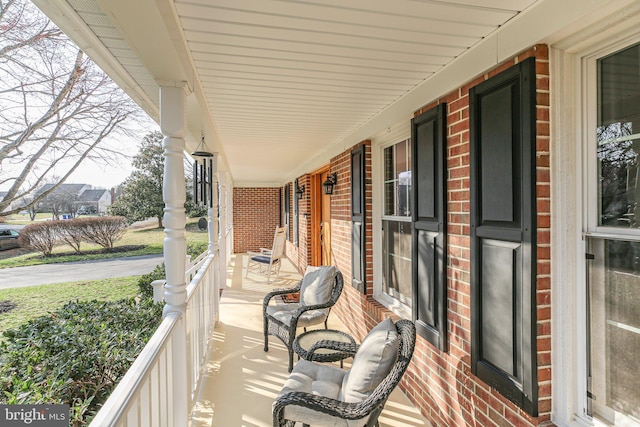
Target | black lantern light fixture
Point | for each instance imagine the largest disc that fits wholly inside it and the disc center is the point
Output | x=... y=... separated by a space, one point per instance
x=299 y=191
x=331 y=181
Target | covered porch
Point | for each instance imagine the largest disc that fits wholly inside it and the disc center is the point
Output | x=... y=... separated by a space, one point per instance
x=462 y=143
x=239 y=380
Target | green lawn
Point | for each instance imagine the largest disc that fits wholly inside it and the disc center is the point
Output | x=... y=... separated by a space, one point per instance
x=23 y=219
x=33 y=301
x=148 y=241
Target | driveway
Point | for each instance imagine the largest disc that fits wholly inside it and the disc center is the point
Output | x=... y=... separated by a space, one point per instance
x=73 y=271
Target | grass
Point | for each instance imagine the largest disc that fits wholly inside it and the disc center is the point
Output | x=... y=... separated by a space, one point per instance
x=23 y=219
x=147 y=240
x=35 y=301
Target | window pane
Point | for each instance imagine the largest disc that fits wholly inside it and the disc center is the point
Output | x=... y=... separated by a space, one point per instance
x=397 y=179
x=618 y=136
x=615 y=331
x=397 y=260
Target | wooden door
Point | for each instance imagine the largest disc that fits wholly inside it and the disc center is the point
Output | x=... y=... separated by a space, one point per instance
x=325 y=227
x=320 y=220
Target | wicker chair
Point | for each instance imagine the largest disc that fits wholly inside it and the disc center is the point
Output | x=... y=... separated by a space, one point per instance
x=317 y=296
x=293 y=405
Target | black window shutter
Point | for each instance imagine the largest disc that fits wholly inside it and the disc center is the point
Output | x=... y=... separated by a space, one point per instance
x=358 y=227
x=287 y=208
x=503 y=234
x=296 y=211
x=429 y=220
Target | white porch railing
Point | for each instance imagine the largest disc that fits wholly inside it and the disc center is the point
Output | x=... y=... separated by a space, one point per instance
x=145 y=395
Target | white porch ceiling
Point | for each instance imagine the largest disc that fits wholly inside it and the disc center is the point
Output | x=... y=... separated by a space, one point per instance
x=282 y=81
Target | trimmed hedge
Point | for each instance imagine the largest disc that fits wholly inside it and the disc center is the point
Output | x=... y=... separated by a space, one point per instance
x=159 y=273
x=44 y=236
x=75 y=355
x=144 y=282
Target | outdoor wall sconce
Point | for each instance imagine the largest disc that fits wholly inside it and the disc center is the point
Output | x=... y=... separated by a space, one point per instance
x=331 y=181
x=299 y=191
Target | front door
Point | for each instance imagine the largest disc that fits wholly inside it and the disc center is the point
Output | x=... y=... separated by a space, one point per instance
x=325 y=226
x=320 y=220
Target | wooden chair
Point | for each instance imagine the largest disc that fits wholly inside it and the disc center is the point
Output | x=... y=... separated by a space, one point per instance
x=268 y=261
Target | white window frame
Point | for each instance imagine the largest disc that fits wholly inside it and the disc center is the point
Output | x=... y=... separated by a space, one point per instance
x=386 y=138
x=574 y=209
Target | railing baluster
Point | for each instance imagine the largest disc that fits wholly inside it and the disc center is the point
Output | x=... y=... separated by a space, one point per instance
x=145 y=396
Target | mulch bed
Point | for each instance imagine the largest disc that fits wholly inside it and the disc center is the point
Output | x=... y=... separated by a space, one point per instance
x=117 y=249
x=6 y=306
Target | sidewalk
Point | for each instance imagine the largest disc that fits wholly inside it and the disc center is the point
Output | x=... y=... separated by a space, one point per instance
x=82 y=270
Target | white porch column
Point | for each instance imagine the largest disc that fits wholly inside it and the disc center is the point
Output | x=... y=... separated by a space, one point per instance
x=172 y=124
x=214 y=210
x=222 y=233
x=212 y=217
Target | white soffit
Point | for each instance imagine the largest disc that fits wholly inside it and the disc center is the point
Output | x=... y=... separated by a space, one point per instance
x=286 y=79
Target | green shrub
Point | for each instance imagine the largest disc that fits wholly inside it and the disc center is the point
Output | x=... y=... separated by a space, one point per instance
x=196 y=248
x=75 y=355
x=196 y=211
x=72 y=233
x=144 y=283
x=41 y=237
x=104 y=231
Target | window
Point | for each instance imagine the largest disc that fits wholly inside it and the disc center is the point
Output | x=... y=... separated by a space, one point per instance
x=397 y=180
x=618 y=138
x=613 y=282
x=396 y=222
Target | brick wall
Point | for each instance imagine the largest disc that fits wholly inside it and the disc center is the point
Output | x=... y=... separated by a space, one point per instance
x=441 y=384
x=256 y=214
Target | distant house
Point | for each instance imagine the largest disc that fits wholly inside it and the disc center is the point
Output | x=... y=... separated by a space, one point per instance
x=75 y=198
x=93 y=201
x=64 y=189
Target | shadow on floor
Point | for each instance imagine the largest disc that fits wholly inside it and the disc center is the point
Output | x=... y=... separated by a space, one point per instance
x=240 y=380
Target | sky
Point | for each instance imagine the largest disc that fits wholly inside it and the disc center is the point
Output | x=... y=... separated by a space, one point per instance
x=101 y=176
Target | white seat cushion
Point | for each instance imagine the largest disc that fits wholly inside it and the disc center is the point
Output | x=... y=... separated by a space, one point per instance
x=372 y=363
x=317 y=285
x=322 y=380
x=284 y=313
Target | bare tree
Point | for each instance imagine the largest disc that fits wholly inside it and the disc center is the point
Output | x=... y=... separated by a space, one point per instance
x=56 y=106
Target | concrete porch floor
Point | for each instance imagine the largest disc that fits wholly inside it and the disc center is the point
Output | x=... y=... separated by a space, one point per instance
x=240 y=380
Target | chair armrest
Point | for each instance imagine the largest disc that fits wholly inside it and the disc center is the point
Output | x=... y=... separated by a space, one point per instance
x=345 y=348
x=265 y=251
x=272 y=294
x=332 y=407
